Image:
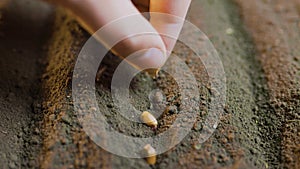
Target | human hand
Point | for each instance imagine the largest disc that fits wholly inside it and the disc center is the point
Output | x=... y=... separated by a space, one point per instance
x=155 y=47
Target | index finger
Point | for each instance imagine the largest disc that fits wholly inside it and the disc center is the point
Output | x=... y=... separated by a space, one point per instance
x=168 y=26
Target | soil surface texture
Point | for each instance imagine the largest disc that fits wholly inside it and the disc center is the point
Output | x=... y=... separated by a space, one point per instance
x=258 y=45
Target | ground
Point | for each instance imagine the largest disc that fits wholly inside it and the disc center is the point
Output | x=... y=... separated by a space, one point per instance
x=257 y=42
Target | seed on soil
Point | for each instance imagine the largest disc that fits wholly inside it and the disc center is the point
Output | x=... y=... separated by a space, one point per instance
x=151 y=154
x=153 y=72
x=149 y=119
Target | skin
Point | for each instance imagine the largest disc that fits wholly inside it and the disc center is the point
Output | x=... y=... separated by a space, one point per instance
x=146 y=37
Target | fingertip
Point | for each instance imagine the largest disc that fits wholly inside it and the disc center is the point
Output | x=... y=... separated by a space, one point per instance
x=152 y=58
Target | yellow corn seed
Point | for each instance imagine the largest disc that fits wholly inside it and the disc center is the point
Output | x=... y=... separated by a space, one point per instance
x=149 y=119
x=151 y=154
x=153 y=72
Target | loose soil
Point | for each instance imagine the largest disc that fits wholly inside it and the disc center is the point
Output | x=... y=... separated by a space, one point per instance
x=24 y=31
x=259 y=127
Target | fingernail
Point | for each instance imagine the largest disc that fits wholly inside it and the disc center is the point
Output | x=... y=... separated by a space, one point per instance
x=152 y=58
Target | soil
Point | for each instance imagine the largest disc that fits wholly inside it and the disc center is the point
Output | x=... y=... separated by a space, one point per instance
x=259 y=127
x=23 y=35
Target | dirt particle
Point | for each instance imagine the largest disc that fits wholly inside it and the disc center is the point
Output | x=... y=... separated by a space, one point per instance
x=172 y=109
x=36 y=131
x=229 y=31
x=93 y=109
x=66 y=119
x=197 y=146
x=11 y=96
x=14 y=157
x=253 y=151
x=25 y=129
x=109 y=105
x=99 y=73
x=35 y=140
x=4 y=132
x=224 y=140
x=230 y=136
x=51 y=117
x=197 y=126
x=12 y=165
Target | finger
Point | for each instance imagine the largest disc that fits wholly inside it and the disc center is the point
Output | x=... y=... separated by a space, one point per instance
x=137 y=33
x=171 y=24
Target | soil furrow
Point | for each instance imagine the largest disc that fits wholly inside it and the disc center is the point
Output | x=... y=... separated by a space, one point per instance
x=276 y=39
x=249 y=112
x=23 y=35
x=65 y=143
x=254 y=128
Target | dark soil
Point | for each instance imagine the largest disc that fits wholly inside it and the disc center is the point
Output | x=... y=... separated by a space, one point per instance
x=257 y=42
x=23 y=36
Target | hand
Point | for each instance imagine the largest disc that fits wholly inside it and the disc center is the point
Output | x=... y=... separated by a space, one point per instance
x=155 y=47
